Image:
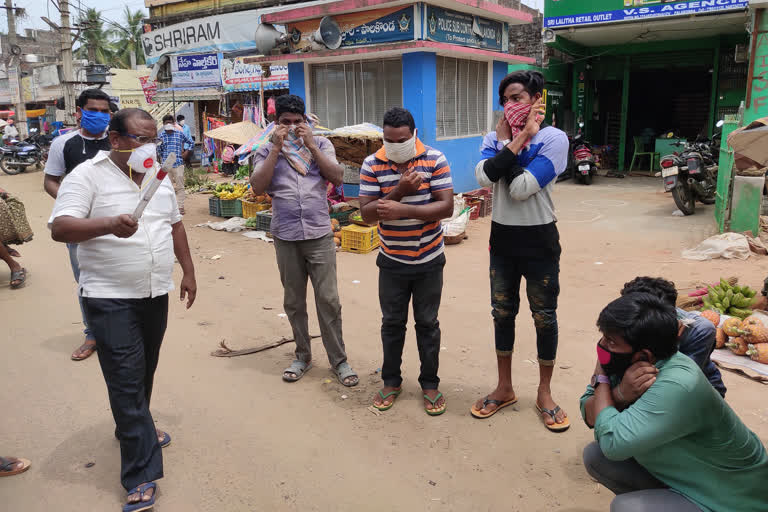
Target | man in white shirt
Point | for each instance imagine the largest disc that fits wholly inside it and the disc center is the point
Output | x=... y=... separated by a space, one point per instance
x=10 y=131
x=126 y=271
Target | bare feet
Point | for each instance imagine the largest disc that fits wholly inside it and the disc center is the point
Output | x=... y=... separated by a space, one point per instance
x=501 y=395
x=545 y=401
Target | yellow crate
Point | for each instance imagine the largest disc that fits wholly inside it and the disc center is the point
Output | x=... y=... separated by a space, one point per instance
x=250 y=209
x=359 y=239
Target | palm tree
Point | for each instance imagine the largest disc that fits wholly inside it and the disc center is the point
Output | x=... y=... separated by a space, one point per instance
x=128 y=39
x=95 y=43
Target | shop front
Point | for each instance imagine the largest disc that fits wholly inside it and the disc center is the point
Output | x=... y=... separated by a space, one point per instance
x=442 y=62
x=646 y=74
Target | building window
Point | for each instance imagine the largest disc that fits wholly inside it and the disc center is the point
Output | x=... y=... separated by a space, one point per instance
x=462 y=97
x=356 y=92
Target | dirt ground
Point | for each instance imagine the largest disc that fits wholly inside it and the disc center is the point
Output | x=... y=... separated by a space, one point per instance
x=244 y=440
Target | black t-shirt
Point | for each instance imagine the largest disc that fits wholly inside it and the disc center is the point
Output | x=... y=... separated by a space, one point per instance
x=79 y=149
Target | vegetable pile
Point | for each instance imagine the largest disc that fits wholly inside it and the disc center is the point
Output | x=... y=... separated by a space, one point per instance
x=728 y=299
x=228 y=191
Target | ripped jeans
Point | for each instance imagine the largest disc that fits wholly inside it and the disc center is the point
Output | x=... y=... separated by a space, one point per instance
x=542 y=285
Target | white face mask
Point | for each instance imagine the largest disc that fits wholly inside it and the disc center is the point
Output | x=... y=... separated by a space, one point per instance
x=181 y=123
x=143 y=158
x=401 y=152
x=168 y=127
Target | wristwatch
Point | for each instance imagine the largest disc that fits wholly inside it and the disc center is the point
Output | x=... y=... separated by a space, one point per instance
x=599 y=379
x=505 y=142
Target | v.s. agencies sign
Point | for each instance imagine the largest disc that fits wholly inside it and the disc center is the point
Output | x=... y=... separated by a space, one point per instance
x=233 y=31
x=569 y=13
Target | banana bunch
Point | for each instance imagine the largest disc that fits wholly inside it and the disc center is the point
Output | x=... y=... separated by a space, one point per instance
x=232 y=192
x=730 y=299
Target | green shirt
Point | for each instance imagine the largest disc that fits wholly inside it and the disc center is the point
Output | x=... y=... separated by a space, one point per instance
x=684 y=433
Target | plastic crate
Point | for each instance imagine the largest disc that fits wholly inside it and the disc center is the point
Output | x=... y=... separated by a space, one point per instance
x=343 y=217
x=214 y=206
x=251 y=209
x=231 y=208
x=359 y=239
x=264 y=220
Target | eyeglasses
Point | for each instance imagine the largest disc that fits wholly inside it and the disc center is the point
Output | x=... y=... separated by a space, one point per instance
x=143 y=139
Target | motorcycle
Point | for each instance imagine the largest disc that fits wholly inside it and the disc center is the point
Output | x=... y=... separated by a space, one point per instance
x=17 y=156
x=691 y=175
x=583 y=164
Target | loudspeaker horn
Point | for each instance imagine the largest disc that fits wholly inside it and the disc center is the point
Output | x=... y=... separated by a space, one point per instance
x=328 y=33
x=267 y=38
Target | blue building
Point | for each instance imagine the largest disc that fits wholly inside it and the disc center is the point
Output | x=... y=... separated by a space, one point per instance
x=443 y=60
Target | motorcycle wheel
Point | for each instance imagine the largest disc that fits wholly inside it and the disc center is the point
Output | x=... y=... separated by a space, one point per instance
x=9 y=169
x=588 y=179
x=683 y=196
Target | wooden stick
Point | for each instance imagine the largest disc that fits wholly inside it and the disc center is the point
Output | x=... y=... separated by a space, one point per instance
x=225 y=351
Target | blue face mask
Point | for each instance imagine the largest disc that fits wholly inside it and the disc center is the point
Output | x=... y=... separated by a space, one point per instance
x=94 y=122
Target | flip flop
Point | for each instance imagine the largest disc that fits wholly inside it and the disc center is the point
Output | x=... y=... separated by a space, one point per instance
x=344 y=371
x=555 y=427
x=166 y=439
x=7 y=464
x=433 y=412
x=488 y=401
x=141 y=505
x=85 y=350
x=18 y=275
x=298 y=368
x=395 y=393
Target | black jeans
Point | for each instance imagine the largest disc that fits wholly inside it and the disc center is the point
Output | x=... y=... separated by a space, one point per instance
x=128 y=335
x=395 y=292
x=542 y=284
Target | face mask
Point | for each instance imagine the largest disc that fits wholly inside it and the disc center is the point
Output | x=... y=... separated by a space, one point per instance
x=168 y=127
x=94 y=122
x=401 y=152
x=516 y=115
x=143 y=158
x=614 y=363
x=181 y=123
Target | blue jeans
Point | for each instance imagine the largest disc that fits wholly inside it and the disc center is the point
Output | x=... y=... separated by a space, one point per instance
x=698 y=342
x=76 y=271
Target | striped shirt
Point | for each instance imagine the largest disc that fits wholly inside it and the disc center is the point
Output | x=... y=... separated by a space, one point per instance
x=409 y=241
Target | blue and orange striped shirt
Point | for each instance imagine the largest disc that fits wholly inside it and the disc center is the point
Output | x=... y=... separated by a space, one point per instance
x=410 y=241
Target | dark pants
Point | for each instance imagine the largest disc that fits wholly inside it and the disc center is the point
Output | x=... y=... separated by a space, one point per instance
x=636 y=489
x=128 y=335
x=542 y=284
x=395 y=292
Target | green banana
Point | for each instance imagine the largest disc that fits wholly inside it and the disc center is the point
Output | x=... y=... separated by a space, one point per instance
x=740 y=313
x=725 y=284
x=729 y=294
x=726 y=303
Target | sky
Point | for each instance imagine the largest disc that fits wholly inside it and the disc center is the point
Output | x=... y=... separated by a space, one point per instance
x=111 y=10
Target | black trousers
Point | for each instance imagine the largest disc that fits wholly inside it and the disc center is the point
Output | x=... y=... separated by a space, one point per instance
x=395 y=292
x=128 y=335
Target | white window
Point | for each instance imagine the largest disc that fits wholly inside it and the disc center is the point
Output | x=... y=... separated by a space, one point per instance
x=355 y=92
x=462 y=97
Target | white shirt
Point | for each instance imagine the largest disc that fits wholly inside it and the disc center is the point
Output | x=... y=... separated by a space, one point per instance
x=120 y=268
x=10 y=131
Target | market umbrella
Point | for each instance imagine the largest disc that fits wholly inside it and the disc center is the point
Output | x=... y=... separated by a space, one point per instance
x=237 y=133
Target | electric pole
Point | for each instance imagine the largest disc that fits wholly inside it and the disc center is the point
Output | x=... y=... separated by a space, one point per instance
x=66 y=64
x=14 y=71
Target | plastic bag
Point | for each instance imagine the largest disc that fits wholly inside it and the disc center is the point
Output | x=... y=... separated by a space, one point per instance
x=727 y=245
x=458 y=225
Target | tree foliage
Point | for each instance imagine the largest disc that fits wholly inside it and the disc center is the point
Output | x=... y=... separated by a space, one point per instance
x=108 y=43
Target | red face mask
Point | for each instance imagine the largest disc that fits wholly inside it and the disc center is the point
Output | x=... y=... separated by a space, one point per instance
x=516 y=115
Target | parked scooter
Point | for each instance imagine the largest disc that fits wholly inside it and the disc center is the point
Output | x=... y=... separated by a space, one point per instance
x=583 y=165
x=16 y=156
x=691 y=175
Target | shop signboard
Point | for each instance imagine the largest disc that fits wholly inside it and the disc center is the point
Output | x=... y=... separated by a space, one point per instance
x=362 y=28
x=446 y=26
x=236 y=75
x=569 y=13
x=150 y=89
x=233 y=31
x=195 y=70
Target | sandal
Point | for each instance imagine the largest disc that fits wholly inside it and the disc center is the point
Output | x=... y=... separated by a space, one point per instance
x=555 y=427
x=84 y=351
x=298 y=369
x=141 y=505
x=20 y=276
x=8 y=463
x=166 y=439
x=435 y=412
x=382 y=407
x=488 y=401
x=343 y=372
